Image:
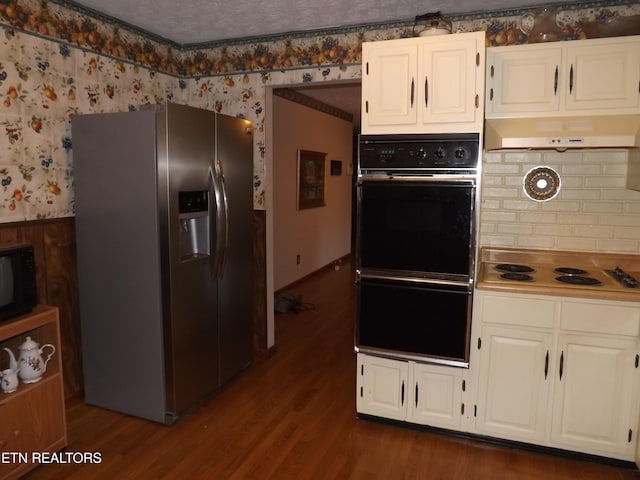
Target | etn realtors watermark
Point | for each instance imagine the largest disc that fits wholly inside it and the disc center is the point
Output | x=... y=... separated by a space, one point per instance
x=50 y=457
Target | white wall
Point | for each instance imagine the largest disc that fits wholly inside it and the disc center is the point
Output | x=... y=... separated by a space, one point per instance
x=319 y=235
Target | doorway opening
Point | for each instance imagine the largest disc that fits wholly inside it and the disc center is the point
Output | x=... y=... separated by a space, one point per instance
x=285 y=225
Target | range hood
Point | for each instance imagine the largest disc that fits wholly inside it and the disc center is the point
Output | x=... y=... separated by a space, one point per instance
x=560 y=133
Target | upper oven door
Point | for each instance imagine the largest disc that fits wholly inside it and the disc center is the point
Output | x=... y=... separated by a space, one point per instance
x=418 y=225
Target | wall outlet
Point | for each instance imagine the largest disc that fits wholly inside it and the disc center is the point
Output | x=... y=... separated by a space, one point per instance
x=298 y=259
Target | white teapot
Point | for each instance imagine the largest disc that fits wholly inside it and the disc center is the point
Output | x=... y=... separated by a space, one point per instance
x=30 y=364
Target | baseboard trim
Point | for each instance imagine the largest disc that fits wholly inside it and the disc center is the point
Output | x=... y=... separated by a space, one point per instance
x=261 y=354
x=329 y=266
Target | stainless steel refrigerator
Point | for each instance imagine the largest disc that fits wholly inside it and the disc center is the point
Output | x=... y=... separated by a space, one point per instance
x=163 y=204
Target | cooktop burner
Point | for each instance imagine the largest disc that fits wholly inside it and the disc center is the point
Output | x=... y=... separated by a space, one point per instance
x=514 y=268
x=519 y=276
x=579 y=280
x=570 y=271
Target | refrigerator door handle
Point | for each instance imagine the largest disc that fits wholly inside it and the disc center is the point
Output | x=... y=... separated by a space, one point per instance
x=224 y=224
x=219 y=233
x=215 y=219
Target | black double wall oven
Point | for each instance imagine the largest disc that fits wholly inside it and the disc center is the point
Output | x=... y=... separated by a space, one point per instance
x=415 y=246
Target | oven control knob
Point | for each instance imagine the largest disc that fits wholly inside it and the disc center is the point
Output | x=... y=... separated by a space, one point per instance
x=460 y=153
x=440 y=153
x=421 y=154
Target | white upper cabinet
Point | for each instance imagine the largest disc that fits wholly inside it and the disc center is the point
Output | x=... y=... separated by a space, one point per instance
x=604 y=77
x=447 y=69
x=423 y=84
x=523 y=79
x=599 y=76
x=389 y=79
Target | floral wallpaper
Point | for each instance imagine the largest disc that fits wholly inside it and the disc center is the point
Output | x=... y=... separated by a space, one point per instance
x=56 y=62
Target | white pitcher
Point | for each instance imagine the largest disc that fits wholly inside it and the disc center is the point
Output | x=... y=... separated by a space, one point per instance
x=9 y=380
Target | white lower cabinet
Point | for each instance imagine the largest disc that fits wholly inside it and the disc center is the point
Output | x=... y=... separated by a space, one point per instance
x=515 y=383
x=569 y=381
x=594 y=408
x=435 y=396
x=381 y=387
x=404 y=390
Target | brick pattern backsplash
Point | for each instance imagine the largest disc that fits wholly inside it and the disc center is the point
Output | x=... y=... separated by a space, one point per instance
x=593 y=211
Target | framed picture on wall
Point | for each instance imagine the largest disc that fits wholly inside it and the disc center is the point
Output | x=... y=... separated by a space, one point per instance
x=311 y=179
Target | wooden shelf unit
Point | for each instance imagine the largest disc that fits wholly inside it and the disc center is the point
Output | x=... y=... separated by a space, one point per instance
x=32 y=419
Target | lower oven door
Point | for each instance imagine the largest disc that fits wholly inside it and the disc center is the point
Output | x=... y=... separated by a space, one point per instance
x=414 y=320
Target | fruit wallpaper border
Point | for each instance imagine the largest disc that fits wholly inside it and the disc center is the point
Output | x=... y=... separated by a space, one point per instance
x=56 y=62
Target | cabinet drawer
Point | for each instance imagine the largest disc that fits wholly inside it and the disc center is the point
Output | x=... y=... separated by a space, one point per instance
x=529 y=312
x=599 y=318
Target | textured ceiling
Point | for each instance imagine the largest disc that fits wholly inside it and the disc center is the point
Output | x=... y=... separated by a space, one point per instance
x=188 y=22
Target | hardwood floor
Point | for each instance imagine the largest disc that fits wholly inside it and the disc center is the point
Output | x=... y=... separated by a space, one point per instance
x=292 y=416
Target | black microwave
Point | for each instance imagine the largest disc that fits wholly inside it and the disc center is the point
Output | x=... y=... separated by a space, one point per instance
x=18 y=293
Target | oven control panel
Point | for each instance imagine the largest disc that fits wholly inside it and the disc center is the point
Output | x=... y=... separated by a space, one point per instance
x=458 y=151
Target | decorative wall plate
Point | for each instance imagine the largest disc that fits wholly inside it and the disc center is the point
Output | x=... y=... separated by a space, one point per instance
x=541 y=184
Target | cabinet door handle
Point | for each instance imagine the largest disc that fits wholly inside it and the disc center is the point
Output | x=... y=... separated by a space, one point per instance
x=561 y=364
x=412 y=88
x=416 y=394
x=426 y=91
x=546 y=365
x=571 y=80
x=555 y=82
x=402 y=394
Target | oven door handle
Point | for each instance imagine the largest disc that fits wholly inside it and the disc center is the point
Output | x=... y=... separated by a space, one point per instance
x=467 y=283
x=457 y=178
